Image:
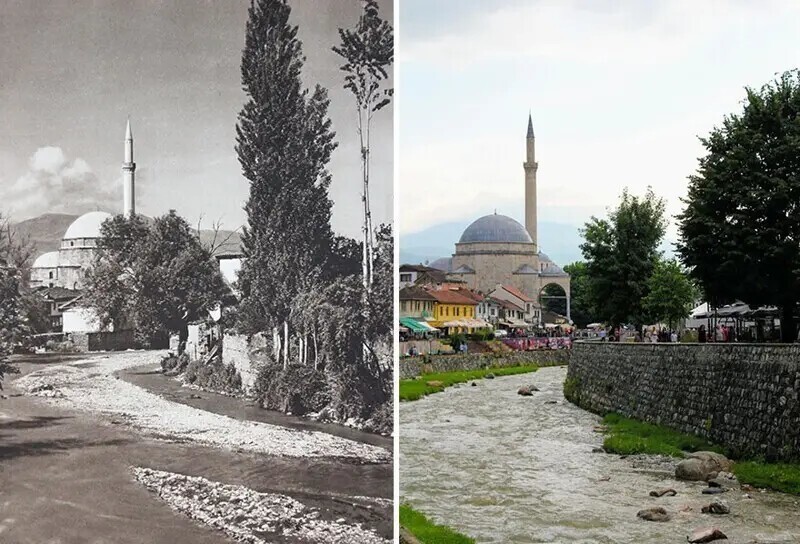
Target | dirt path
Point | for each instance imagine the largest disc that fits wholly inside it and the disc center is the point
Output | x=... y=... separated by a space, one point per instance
x=66 y=475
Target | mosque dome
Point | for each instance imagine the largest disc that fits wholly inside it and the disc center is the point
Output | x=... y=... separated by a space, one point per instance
x=495 y=228
x=86 y=226
x=46 y=260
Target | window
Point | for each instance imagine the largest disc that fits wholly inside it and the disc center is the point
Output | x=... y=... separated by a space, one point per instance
x=51 y=274
x=405 y=278
x=71 y=244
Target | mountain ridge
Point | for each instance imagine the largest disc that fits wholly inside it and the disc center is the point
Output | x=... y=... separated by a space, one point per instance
x=45 y=231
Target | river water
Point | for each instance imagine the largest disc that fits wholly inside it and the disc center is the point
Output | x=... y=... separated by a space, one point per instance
x=500 y=467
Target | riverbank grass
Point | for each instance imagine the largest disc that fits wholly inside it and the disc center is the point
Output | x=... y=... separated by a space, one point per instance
x=418 y=388
x=784 y=477
x=427 y=531
x=629 y=436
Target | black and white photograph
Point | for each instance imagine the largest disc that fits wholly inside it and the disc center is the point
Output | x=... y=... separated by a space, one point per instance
x=196 y=271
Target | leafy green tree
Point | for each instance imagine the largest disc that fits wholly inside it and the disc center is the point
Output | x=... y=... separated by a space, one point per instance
x=621 y=253
x=580 y=306
x=284 y=142
x=154 y=278
x=368 y=51
x=671 y=294
x=739 y=232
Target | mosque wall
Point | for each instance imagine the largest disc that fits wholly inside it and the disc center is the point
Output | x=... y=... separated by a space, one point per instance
x=43 y=277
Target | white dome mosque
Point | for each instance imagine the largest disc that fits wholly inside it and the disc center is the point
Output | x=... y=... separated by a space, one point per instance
x=66 y=267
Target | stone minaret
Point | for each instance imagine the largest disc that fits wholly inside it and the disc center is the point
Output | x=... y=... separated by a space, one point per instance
x=530 y=166
x=128 y=171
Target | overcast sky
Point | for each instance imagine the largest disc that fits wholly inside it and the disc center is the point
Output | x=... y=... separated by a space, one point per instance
x=619 y=92
x=71 y=71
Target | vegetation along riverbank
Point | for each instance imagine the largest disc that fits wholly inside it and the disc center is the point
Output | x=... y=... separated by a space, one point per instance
x=428 y=532
x=436 y=382
x=629 y=436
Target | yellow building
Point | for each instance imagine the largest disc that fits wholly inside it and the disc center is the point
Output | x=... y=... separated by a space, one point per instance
x=455 y=311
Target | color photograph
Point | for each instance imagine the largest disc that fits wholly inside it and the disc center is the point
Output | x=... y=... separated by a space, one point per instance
x=598 y=289
x=196 y=271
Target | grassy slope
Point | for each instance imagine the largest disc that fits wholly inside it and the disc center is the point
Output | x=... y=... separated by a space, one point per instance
x=416 y=389
x=427 y=531
x=629 y=436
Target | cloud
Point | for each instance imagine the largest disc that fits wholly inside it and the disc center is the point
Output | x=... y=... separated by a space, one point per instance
x=612 y=33
x=54 y=184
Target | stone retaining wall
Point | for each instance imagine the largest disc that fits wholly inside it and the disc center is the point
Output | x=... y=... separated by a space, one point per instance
x=741 y=396
x=411 y=367
x=236 y=349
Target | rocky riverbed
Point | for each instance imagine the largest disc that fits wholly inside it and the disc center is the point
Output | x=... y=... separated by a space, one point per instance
x=248 y=516
x=503 y=467
x=92 y=385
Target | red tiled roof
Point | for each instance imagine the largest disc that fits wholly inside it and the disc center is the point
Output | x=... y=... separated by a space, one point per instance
x=446 y=296
x=517 y=293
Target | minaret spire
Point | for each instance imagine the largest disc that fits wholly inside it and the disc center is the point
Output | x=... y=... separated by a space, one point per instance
x=531 y=166
x=128 y=175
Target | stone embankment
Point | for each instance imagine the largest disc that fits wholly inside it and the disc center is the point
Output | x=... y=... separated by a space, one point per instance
x=411 y=367
x=741 y=396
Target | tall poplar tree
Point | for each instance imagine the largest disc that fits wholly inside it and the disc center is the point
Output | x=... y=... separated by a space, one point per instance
x=284 y=142
x=368 y=51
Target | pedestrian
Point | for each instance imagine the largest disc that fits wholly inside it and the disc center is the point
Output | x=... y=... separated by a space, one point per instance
x=701 y=334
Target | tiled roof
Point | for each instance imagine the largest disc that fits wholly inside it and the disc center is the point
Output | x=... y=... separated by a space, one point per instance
x=414 y=292
x=446 y=296
x=517 y=293
x=60 y=293
x=508 y=305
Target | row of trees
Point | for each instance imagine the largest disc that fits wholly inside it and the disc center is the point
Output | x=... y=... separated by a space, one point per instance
x=739 y=234
x=324 y=300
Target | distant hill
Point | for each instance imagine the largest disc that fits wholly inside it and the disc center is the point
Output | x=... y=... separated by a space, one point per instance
x=44 y=233
x=559 y=241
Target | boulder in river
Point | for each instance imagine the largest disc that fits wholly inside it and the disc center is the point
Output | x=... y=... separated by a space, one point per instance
x=525 y=391
x=489 y=376
x=474 y=384
x=706 y=534
x=702 y=465
x=653 y=514
x=717 y=507
x=666 y=491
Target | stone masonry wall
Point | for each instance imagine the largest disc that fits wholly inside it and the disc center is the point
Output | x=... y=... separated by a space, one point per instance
x=411 y=367
x=741 y=396
x=236 y=349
